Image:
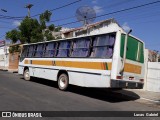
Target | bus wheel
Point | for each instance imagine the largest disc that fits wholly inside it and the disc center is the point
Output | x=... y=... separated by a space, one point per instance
x=26 y=75
x=63 y=82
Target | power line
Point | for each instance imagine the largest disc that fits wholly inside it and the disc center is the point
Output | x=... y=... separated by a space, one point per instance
x=61 y=19
x=10 y=17
x=123 y=10
x=60 y=7
x=21 y=17
x=108 y=6
x=4 y=22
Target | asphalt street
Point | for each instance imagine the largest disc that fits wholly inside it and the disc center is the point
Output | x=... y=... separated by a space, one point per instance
x=16 y=94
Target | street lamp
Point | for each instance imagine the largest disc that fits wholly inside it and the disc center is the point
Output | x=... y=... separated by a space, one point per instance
x=29 y=7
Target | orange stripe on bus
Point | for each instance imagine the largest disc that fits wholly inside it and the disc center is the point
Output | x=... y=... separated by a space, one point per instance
x=42 y=62
x=109 y=66
x=132 y=68
x=26 y=62
x=75 y=64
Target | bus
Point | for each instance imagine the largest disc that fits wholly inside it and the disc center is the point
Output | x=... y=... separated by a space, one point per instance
x=109 y=60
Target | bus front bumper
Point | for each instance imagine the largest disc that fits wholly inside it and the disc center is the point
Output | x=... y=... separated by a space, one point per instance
x=126 y=84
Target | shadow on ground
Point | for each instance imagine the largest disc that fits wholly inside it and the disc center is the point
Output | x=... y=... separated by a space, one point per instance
x=108 y=95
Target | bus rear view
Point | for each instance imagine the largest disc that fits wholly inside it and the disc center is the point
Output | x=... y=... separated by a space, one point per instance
x=128 y=60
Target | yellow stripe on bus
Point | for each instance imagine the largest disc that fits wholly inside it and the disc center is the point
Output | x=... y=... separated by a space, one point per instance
x=75 y=64
x=109 y=66
x=42 y=62
x=132 y=68
x=26 y=62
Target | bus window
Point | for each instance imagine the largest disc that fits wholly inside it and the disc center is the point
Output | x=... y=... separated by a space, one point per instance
x=80 y=47
x=134 y=49
x=31 y=50
x=103 y=46
x=24 y=51
x=63 y=49
x=39 y=51
x=50 y=49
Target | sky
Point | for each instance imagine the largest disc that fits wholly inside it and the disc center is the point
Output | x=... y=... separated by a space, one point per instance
x=144 y=21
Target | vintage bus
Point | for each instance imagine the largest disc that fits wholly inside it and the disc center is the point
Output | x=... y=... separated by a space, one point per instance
x=109 y=60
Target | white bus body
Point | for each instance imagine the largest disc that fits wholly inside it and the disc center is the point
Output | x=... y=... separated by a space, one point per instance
x=88 y=71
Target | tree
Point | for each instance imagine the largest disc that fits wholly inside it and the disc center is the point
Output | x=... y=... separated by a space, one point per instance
x=29 y=31
x=57 y=29
x=14 y=35
x=51 y=27
x=32 y=30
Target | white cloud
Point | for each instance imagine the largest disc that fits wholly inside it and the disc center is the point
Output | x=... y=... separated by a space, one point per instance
x=16 y=23
x=98 y=9
x=94 y=1
x=126 y=27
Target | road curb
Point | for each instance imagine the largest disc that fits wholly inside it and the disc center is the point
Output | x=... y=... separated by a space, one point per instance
x=13 y=71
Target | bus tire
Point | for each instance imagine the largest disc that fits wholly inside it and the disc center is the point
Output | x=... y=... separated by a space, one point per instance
x=26 y=75
x=63 y=81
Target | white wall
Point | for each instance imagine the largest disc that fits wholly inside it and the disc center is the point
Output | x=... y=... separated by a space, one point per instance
x=4 y=57
x=153 y=77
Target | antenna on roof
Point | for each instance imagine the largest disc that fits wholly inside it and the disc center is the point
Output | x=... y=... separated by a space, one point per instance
x=86 y=15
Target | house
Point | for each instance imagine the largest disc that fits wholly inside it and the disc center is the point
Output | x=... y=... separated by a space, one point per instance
x=4 y=55
x=93 y=29
x=153 y=56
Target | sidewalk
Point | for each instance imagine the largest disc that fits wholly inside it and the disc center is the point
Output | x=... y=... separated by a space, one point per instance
x=13 y=70
x=153 y=97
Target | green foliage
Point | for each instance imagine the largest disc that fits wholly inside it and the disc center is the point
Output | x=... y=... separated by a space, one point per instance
x=14 y=35
x=51 y=27
x=14 y=48
x=32 y=30
x=57 y=29
x=45 y=17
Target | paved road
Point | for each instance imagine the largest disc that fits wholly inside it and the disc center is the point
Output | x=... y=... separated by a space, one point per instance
x=17 y=94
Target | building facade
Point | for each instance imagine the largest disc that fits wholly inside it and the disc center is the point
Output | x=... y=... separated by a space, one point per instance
x=4 y=55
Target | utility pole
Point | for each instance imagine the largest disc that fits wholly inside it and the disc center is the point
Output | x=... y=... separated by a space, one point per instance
x=29 y=7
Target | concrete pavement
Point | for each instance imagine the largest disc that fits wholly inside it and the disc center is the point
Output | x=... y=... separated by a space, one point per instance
x=141 y=96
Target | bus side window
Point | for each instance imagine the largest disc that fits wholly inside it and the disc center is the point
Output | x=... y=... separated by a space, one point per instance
x=80 y=47
x=24 y=51
x=30 y=51
x=34 y=51
x=103 y=46
x=39 y=51
x=49 y=49
x=63 y=49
